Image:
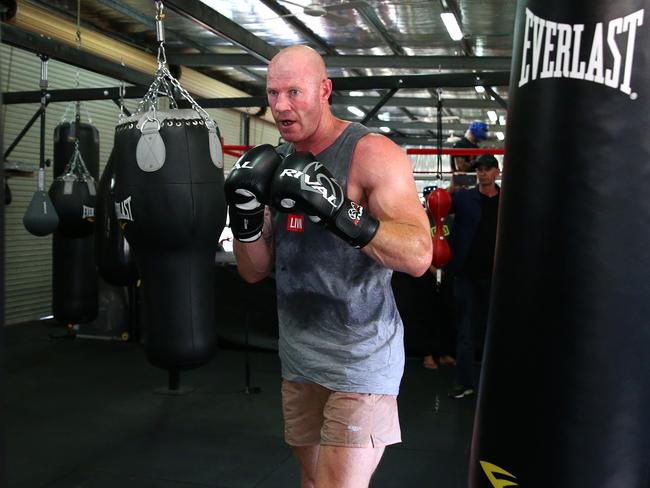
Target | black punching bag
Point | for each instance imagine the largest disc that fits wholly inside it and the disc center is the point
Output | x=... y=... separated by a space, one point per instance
x=564 y=398
x=115 y=261
x=170 y=200
x=74 y=275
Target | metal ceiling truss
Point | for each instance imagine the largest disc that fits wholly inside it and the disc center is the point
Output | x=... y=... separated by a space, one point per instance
x=39 y=44
x=223 y=27
x=487 y=63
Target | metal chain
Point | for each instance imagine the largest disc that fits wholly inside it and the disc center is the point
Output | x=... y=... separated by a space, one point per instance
x=76 y=166
x=164 y=78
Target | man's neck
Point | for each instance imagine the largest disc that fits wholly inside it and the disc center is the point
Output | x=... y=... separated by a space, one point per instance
x=488 y=190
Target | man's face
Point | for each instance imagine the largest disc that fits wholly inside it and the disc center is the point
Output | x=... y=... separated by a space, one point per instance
x=487 y=175
x=295 y=96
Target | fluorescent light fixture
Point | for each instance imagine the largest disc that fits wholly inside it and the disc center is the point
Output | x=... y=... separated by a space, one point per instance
x=500 y=136
x=492 y=115
x=479 y=89
x=356 y=111
x=356 y=94
x=451 y=23
x=384 y=116
x=502 y=119
x=384 y=129
x=47 y=317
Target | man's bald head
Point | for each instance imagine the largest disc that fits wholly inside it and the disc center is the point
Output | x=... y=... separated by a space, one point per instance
x=299 y=58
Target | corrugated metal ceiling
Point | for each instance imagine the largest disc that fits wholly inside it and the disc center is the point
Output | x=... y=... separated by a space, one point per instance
x=361 y=39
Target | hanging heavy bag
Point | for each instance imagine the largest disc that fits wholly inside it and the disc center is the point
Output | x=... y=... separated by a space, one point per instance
x=74 y=276
x=115 y=261
x=565 y=385
x=170 y=201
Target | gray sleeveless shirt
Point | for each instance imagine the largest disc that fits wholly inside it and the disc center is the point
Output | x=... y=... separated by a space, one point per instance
x=339 y=325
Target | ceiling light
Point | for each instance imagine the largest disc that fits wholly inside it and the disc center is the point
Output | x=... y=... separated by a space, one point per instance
x=451 y=23
x=479 y=89
x=502 y=119
x=500 y=136
x=356 y=111
x=385 y=129
x=384 y=116
x=492 y=115
x=356 y=94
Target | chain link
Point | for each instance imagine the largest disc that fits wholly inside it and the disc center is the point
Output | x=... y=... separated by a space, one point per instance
x=76 y=166
x=163 y=80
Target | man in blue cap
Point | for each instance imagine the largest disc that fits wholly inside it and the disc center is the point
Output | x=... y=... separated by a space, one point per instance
x=476 y=132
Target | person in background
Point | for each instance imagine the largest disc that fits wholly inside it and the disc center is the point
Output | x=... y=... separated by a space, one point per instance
x=345 y=215
x=472 y=244
x=476 y=132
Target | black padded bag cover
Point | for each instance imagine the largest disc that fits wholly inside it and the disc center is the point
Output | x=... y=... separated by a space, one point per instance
x=115 y=261
x=565 y=389
x=74 y=279
x=173 y=217
x=75 y=205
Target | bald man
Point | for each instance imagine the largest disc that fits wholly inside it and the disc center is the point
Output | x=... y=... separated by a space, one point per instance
x=341 y=336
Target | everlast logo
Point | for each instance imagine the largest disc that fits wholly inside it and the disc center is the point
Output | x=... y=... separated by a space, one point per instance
x=552 y=50
x=498 y=476
x=88 y=213
x=123 y=209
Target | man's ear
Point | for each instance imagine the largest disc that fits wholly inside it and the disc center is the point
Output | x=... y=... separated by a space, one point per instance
x=326 y=87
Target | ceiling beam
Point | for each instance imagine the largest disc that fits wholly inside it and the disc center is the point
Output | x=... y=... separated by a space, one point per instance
x=223 y=27
x=475 y=103
x=500 y=63
x=449 y=80
x=237 y=102
x=39 y=44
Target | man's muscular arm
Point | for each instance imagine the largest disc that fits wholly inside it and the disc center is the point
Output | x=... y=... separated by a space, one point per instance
x=255 y=259
x=381 y=178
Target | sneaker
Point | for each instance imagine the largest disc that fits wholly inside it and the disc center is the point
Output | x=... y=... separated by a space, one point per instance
x=461 y=391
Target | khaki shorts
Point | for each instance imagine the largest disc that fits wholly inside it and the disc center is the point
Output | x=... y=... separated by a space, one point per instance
x=315 y=415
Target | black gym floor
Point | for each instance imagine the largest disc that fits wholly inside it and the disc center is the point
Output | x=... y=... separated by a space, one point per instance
x=84 y=413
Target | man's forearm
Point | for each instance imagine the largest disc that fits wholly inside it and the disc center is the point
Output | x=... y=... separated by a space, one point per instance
x=401 y=246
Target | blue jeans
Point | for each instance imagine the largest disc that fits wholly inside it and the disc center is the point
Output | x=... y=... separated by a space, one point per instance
x=472 y=299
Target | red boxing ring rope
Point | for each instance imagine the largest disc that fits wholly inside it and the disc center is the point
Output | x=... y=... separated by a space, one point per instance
x=456 y=151
x=236 y=150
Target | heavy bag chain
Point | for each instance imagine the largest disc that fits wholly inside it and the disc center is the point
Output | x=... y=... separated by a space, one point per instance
x=76 y=170
x=151 y=151
x=76 y=106
x=164 y=78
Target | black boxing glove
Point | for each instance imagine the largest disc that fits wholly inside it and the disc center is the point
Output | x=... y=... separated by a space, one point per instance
x=247 y=190
x=300 y=182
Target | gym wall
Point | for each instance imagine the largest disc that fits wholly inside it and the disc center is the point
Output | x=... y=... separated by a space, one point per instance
x=28 y=259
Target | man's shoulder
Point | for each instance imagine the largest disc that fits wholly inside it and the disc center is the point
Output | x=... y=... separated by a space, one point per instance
x=464 y=143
